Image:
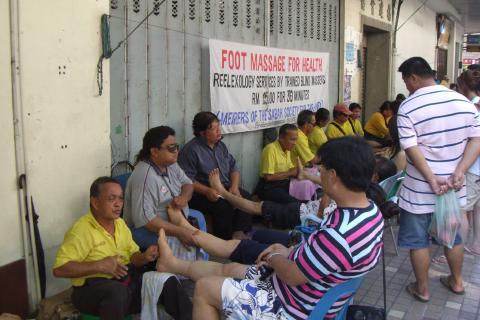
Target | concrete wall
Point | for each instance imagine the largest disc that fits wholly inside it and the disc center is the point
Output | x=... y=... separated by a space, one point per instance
x=65 y=124
x=11 y=248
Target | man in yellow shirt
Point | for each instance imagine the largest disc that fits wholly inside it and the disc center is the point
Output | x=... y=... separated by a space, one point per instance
x=276 y=167
x=354 y=119
x=318 y=136
x=376 y=128
x=305 y=123
x=339 y=127
x=100 y=257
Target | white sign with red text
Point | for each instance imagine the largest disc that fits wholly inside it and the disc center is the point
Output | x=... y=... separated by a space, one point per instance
x=254 y=87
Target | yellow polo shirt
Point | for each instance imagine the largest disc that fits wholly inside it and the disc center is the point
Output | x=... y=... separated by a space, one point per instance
x=88 y=241
x=301 y=150
x=274 y=159
x=357 y=125
x=333 y=132
x=316 y=139
x=377 y=125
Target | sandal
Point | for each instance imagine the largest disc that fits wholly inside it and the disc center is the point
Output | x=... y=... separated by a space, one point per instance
x=445 y=280
x=412 y=290
x=439 y=260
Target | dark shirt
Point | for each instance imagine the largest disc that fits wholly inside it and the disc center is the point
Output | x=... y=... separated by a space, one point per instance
x=197 y=159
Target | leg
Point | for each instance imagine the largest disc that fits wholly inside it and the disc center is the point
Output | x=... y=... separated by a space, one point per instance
x=476 y=229
x=108 y=299
x=236 y=201
x=455 y=262
x=194 y=269
x=420 y=259
x=242 y=221
x=175 y=300
x=215 y=246
x=207 y=299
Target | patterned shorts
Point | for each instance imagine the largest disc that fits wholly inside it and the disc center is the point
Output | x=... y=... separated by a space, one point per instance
x=251 y=298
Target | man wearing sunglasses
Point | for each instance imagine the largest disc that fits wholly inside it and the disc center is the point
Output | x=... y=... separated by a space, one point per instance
x=339 y=127
x=198 y=158
x=156 y=183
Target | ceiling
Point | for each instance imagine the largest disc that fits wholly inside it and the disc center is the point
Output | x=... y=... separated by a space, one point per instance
x=469 y=11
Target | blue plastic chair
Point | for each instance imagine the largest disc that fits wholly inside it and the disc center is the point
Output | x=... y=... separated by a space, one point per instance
x=332 y=295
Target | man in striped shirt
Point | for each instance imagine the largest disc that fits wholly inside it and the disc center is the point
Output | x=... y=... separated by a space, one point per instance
x=439 y=130
x=347 y=245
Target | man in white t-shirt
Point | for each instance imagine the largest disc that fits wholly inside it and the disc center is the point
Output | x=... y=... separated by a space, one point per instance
x=439 y=130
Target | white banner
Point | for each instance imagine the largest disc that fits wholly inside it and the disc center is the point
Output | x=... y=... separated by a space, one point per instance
x=254 y=87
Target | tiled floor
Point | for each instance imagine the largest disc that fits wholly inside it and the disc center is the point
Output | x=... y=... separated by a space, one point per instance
x=443 y=305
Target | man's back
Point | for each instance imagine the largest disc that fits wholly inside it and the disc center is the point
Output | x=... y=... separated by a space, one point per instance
x=439 y=121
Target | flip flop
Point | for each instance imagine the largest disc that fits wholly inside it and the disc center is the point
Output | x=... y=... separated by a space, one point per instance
x=471 y=251
x=446 y=283
x=439 y=260
x=412 y=290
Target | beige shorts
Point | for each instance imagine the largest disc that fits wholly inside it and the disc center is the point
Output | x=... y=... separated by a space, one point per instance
x=473 y=191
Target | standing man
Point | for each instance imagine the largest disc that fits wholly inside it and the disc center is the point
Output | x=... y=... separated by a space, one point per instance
x=100 y=257
x=440 y=132
x=198 y=158
x=277 y=168
x=157 y=182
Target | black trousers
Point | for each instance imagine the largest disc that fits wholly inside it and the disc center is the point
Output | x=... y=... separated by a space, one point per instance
x=112 y=300
x=276 y=191
x=226 y=219
x=282 y=215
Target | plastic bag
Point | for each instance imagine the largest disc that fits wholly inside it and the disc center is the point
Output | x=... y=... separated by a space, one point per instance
x=446 y=219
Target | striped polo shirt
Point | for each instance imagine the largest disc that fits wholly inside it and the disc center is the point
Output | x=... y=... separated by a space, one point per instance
x=347 y=245
x=439 y=121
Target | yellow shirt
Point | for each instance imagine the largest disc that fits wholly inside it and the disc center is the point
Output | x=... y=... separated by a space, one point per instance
x=88 y=241
x=316 y=139
x=357 y=125
x=301 y=150
x=333 y=132
x=377 y=125
x=274 y=159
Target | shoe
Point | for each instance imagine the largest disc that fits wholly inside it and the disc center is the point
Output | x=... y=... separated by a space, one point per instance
x=412 y=290
x=440 y=260
x=446 y=283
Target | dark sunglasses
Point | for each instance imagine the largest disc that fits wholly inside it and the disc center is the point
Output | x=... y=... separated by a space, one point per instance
x=172 y=148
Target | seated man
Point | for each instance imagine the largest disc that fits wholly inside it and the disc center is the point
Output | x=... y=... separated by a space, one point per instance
x=276 y=167
x=339 y=127
x=318 y=136
x=100 y=257
x=158 y=181
x=201 y=155
x=347 y=245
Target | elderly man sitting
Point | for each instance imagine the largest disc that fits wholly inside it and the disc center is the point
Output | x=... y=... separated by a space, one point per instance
x=100 y=257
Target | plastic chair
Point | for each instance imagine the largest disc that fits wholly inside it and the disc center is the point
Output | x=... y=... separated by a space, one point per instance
x=391 y=186
x=332 y=296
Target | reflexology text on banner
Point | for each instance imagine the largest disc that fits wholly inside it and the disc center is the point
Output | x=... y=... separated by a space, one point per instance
x=253 y=87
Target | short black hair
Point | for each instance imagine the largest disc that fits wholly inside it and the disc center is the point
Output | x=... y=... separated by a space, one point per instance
x=202 y=121
x=304 y=117
x=354 y=106
x=385 y=106
x=153 y=139
x=416 y=66
x=384 y=168
x=353 y=160
x=400 y=97
x=322 y=114
x=286 y=127
x=96 y=187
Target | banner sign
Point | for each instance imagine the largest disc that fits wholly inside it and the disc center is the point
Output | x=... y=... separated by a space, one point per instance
x=254 y=87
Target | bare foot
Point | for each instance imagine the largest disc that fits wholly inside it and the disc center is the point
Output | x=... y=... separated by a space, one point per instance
x=215 y=183
x=177 y=218
x=165 y=255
